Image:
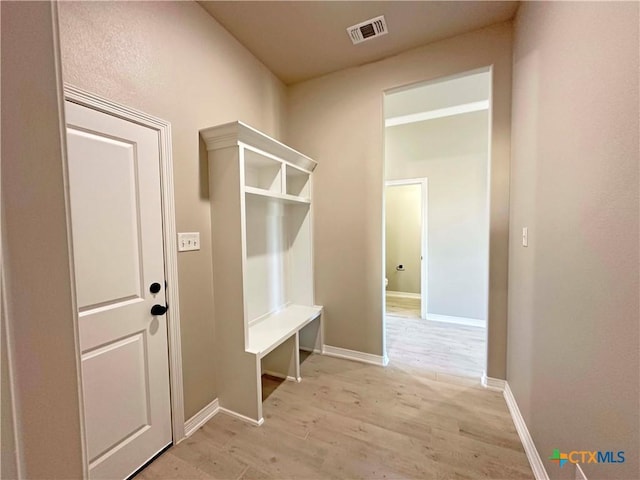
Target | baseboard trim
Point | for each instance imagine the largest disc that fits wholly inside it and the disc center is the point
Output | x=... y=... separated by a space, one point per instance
x=470 y=322
x=415 y=296
x=244 y=418
x=491 y=383
x=539 y=472
x=200 y=418
x=381 y=361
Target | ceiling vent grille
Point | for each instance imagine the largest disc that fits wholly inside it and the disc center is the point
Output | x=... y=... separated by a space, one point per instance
x=367 y=30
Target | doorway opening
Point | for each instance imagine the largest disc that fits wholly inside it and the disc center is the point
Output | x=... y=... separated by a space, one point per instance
x=437 y=238
x=406 y=247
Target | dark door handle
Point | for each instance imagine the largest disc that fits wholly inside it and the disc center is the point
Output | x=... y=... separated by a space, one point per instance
x=158 y=310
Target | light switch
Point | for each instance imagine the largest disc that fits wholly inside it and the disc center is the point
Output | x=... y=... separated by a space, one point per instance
x=525 y=237
x=188 y=241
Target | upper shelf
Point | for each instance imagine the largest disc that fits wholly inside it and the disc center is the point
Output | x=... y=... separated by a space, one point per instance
x=286 y=198
x=236 y=133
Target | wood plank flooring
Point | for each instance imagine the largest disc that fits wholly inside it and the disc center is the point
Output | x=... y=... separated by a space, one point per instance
x=402 y=307
x=353 y=420
x=442 y=348
x=439 y=347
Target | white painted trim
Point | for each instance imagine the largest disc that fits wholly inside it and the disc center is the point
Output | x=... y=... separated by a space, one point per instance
x=499 y=385
x=496 y=384
x=354 y=355
x=62 y=92
x=539 y=472
x=163 y=128
x=439 y=113
x=490 y=240
x=200 y=418
x=392 y=293
x=470 y=322
x=244 y=418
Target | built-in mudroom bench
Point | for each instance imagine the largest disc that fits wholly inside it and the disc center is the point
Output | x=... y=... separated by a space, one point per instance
x=261 y=241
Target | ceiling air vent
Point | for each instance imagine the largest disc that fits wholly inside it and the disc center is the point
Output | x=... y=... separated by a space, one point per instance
x=367 y=30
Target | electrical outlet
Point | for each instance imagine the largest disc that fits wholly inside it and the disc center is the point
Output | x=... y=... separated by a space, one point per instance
x=188 y=241
x=579 y=473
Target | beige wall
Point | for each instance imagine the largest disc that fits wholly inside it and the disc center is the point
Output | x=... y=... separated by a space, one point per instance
x=35 y=250
x=337 y=119
x=8 y=458
x=573 y=293
x=452 y=153
x=403 y=234
x=172 y=60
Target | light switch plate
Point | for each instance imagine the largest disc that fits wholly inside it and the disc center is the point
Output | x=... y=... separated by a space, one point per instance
x=188 y=241
x=525 y=237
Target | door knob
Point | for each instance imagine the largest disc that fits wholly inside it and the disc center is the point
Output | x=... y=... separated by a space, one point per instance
x=158 y=310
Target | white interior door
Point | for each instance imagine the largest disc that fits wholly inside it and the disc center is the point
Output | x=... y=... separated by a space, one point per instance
x=114 y=176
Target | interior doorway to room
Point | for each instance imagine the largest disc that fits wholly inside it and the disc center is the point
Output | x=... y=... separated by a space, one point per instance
x=438 y=130
x=406 y=247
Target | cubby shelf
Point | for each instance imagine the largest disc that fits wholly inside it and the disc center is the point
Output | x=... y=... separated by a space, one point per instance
x=259 y=192
x=261 y=205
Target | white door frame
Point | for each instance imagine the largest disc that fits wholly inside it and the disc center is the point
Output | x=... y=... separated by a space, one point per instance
x=94 y=102
x=424 y=183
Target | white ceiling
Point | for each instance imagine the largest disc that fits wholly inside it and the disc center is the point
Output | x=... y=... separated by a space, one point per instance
x=299 y=40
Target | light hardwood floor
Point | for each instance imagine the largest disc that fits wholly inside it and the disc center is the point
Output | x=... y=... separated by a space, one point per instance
x=436 y=346
x=403 y=307
x=349 y=420
x=443 y=348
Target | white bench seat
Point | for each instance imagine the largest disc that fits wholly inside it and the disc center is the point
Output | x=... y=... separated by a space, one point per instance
x=273 y=330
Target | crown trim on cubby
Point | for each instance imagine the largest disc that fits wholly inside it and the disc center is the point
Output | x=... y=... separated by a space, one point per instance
x=234 y=133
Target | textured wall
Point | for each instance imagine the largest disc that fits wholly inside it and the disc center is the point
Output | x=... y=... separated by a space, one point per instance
x=172 y=60
x=573 y=345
